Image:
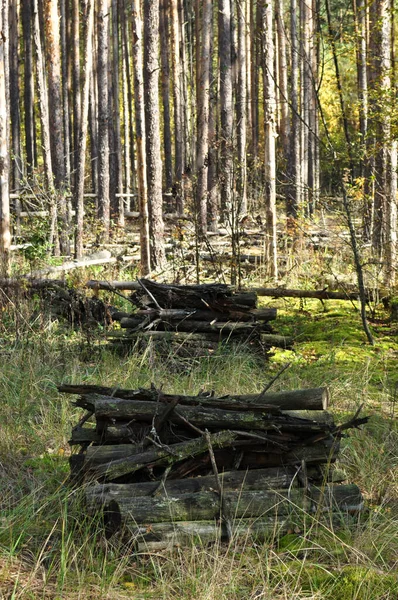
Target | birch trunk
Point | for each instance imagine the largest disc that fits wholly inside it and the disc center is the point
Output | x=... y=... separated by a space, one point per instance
x=5 y=233
x=103 y=117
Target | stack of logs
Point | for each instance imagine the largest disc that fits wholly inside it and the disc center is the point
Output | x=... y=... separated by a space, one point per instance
x=194 y=319
x=168 y=467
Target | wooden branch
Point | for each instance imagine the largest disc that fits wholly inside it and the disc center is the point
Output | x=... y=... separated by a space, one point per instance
x=160 y=456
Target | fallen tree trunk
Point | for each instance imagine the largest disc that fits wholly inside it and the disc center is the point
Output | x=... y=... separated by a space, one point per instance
x=205 y=505
x=317 y=294
x=106 y=408
x=175 y=314
x=306 y=399
x=266 y=479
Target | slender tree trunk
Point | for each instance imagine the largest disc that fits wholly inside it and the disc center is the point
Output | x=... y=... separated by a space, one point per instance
x=115 y=123
x=93 y=124
x=103 y=116
x=293 y=196
x=139 y=106
x=165 y=80
x=45 y=127
x=212 y=179
x=270 y=136
x=241 y=109
x=65 y=38
x=83 y=120
x=17 y=171
x=26 y=13
x=226 y=106
x=255 y=28
x=5 y=233
x=202 y=139
x=283 y=93
x=77 y=96
x=152 y=127
x=128 y=106
x=53 y=62
x=359 y=9
x=178 y=104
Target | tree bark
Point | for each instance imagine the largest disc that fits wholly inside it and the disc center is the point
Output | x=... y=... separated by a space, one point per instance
x=226 y=106
x=26 y=13
x=165 y=81
x=152 y=126
x=241 y=110
x=83 y=122
x=178 y=104
x=117 y=187
x=5 y=232
x=307 y=399
x=53 y=68
x=270 y=136
x=103 y=117
x=293 y=196
x=139 y=106
x=202 y=139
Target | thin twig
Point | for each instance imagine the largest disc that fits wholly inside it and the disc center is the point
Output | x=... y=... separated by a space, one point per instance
x=267 y=387
x=223 y=509
x=149 y=294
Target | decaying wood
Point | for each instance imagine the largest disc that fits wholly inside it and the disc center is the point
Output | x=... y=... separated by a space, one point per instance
x=205 y=505
x=165 y=455
x=206 y=416
x=305 y=399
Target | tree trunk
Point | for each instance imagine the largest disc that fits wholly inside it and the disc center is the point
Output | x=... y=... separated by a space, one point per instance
x=139 y=106
x=178 y=104
x=118 y=201
x=226 y=106
x=45 y=127
x=5 y=233
x=103 y=117
x=165 y=80
x=241 y=109
x=77 y=96
x=202 y=138
x=17 y=171
x=212 y=179
x=83 y=121
x=270 y=136
x=152 y=126
x=26 y=13
x=293 y=196
x=53 y=67
x=66 y=121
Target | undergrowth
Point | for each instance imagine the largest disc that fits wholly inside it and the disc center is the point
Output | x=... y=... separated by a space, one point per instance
x=48 y=549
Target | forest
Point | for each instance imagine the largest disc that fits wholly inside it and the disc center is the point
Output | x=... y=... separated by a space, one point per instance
x=198 y=249
x=204 y=109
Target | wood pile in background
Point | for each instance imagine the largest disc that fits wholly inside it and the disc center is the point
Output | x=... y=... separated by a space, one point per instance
x=168 y=467
x=196 y=318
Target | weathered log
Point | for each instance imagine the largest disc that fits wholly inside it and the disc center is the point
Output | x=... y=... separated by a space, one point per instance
x=175 y=314
x=205 y=416
x=323 y=452
x=166 y=455
x=189 y=325
x=279 y=341
x=306 y=399
x=258 y=479
x=205 y=505
x=161 y=536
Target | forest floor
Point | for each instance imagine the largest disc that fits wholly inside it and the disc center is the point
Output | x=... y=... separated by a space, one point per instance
x=48 y=550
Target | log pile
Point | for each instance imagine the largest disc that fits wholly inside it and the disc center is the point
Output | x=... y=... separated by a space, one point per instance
x=167 y=467
x=196 y=318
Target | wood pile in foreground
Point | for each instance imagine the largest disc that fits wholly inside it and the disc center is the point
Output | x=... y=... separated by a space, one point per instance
x=194 y=319
x=166 y=467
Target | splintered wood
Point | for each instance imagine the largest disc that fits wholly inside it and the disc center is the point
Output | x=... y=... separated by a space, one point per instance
x=166 y=467
x=192 y=320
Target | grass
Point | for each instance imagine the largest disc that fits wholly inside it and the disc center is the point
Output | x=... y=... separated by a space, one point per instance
x=48 y=549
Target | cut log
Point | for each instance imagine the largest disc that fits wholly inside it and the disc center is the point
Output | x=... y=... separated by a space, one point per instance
x=188 y=325
x=205 y=505
x=175 y=314
x=201 y=416
x=278 y=341
x=306 y=399
x=260 y=479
